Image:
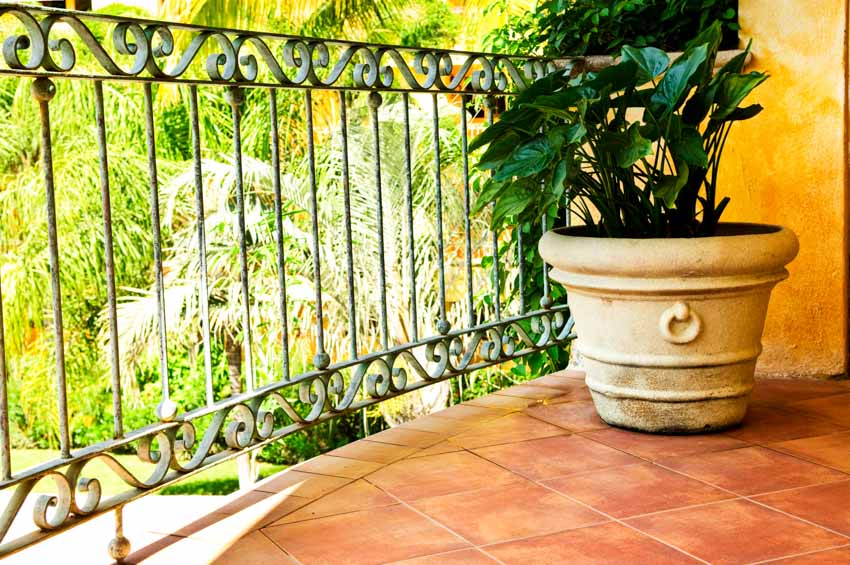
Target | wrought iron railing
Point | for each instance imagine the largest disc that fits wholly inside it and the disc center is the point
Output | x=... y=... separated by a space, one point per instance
x=51 y=47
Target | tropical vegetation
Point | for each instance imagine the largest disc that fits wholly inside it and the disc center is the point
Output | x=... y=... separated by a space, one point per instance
x=560 y=28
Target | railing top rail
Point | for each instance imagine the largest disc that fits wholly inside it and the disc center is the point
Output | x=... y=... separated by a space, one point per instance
x=56 y=42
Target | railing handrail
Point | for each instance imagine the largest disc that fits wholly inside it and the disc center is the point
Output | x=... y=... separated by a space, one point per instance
x=499 y=72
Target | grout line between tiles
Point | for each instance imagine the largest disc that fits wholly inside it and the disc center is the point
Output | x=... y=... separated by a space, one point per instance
x=800 y=518
x=283 y=549
x=814 y=552
x=612 y=518
x=440 y=525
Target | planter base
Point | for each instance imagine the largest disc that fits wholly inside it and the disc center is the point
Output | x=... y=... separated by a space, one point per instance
x=672 y=418
x=670 y=400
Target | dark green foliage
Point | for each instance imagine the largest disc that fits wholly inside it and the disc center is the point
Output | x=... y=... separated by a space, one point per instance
x=601 y=27
x=578 y=143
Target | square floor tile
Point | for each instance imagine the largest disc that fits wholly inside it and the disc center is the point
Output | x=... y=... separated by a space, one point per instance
x=500 y=401
x=373 y=451
x=573 y=416
x=610 y=543
x=380 y=535
x=436 y=424
x=636 y=489
x=508 y=429
x=578 y=394
x=563 y=380
x=482 y=517
x=297 y=483
x=461 y=557
x=827 y=505
x=736 y=531
x=766 y=423
x=407 y=437
x=534 y=392
x=786 y=391
x=470 y=414
x=831 y=450
x=422 y=477
x=359 y=495
x=839 y=556
x=253 y=549
x=835 y=408
x=338 y=466
x=442 y=447
x=752 y=470
x=557 y=456
x=656 y=446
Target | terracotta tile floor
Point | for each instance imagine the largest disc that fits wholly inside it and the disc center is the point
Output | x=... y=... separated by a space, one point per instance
x=529 y=475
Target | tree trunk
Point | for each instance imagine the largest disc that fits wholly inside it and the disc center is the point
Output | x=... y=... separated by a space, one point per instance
x=246 y=465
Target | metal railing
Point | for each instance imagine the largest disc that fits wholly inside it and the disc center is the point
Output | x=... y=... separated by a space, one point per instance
x=51 y=47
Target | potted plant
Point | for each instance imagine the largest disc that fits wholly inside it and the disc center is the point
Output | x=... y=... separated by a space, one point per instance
x=669 y=303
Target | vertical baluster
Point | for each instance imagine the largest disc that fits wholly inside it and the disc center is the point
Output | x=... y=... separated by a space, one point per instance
x=321 y=360
x=43 y=91
x=119 y=546
x=408 y=203
x=202 y=241
x=521 y=269
x=466 y=209
x=106 y=204
x=167 y=409
x=442 y=324
x=489 y=102
x=546 y=301
x=234 y=96
x=375 y=101
x=278 y=218
x=5 y=445
x=349 y=250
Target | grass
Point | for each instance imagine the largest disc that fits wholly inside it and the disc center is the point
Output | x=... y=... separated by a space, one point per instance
x=221 y=479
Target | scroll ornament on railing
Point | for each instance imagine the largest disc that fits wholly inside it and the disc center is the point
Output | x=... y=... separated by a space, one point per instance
x=247 y=57
x=252 y=420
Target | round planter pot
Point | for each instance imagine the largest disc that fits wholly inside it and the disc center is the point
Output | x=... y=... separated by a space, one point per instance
x=669 y=330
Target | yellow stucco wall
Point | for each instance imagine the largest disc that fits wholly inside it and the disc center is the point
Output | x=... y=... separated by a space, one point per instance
x=788 y=166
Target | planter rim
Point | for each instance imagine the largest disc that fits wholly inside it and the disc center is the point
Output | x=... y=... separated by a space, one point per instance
x=739 y=249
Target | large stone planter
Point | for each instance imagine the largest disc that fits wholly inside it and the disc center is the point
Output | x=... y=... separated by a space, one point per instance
x=669 y=330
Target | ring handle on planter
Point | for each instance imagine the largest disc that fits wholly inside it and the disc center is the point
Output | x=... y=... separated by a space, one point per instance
x=680 y=312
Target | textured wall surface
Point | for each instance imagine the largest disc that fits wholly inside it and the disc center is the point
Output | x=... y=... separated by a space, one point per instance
x=788 y=166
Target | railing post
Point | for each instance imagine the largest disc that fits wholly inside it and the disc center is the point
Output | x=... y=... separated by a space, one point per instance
x=119 y=546
x=43 y=90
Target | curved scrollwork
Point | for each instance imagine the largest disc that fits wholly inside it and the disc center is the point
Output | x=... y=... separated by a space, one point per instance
x=150 y=49
x=251 y=420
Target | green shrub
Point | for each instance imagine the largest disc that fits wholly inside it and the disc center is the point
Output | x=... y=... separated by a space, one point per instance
x=602 y=27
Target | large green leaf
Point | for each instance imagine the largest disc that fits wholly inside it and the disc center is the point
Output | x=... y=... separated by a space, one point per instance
x=566 y=134
x=493 y=132
x=732 y=91
x=527 y=159
x=667 y=189
x=675 y=83
x=562 y=101
x=736 y=63
x=711 y=38
x=498 y=150
x=512 y=202
x=745 y=113
x=490 y=191
x=689 y=148
x=651 y=61
x=614 y=78
x=635 y=148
